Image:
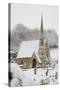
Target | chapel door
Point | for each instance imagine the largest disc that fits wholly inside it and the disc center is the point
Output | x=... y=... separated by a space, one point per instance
x=34 y=63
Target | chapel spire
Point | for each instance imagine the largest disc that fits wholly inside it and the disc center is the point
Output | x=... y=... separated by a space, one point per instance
x=41 y=32
x=41 y=23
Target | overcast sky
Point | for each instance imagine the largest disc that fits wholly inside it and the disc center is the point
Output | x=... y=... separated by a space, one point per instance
x=30 y=16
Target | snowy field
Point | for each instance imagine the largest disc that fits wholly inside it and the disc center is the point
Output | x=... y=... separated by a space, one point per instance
x=43 y=76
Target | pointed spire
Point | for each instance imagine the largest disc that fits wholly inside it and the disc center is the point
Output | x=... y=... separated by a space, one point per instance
x=41 y=31
x=41 y=23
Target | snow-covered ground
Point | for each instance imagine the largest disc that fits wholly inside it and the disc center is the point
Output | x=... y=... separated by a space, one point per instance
x=27 y=77
x=43 y=76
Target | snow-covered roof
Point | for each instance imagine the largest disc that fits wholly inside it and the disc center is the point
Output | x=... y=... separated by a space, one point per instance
x=37 y=55
x=27 y=48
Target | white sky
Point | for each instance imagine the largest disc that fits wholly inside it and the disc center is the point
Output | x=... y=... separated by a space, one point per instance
x=30 y=16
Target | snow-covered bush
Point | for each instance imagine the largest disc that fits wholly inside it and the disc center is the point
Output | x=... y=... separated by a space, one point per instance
x=44 y=81
x=16 y=82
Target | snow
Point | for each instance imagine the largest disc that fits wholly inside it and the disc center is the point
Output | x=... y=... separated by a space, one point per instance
x=38 y=57
x=18 y=73
x=54 y=53
x=27 y=77
x=29 y=46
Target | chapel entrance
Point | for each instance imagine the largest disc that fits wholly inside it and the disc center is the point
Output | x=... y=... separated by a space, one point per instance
x=34 y=63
